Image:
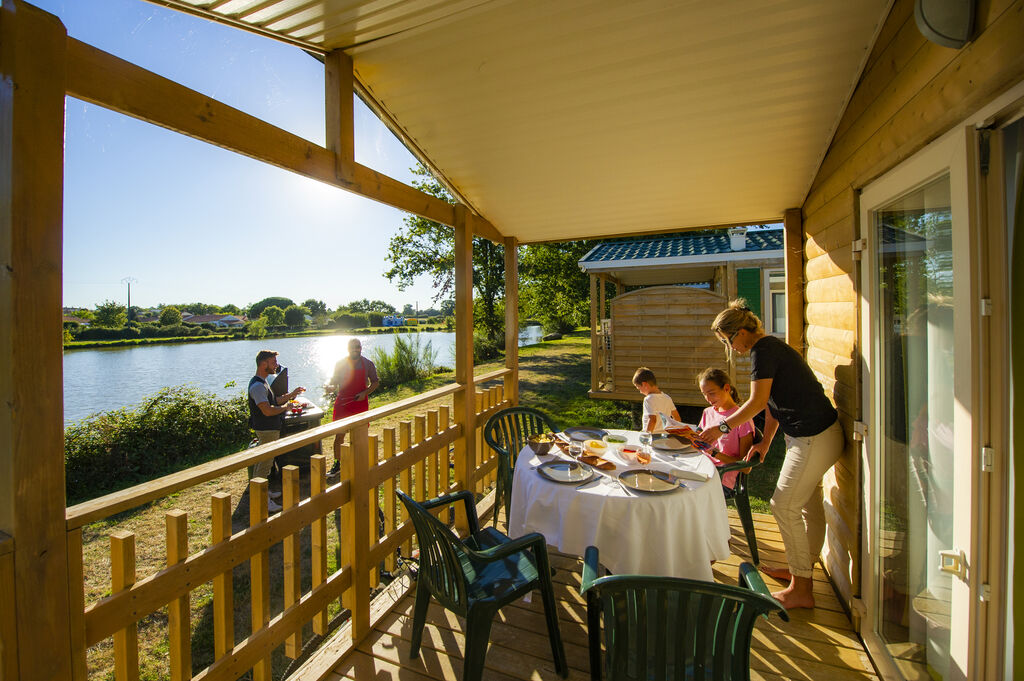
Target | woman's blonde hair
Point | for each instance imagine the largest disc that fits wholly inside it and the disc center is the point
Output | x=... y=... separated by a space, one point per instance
x=735 y=318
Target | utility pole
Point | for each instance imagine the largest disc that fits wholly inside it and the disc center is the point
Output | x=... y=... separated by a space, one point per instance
x=128 y=308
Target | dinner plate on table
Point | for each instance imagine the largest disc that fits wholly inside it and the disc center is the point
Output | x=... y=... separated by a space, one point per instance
x=580 y=433
x=643 y=480
x=566 y=471
x=667 y=443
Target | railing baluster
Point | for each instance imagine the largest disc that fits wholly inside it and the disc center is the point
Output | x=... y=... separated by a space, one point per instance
x=443 y=419
x=259 y=574
x=346 y=530
x=76 y=591
x=435 y=457
x=223 y=584
x=389 y=496
x=374 y=504
x=179 y=630
x=122 y=576
x=292 y=558
x=318 y=536
x=418 y=433
x=405 y=479
x=481 y=445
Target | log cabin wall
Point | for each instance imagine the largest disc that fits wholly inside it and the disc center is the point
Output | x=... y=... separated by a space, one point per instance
x=668 y=330
x=910 y=92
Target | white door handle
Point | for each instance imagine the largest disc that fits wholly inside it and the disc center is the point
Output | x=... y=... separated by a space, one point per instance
x=953 y=562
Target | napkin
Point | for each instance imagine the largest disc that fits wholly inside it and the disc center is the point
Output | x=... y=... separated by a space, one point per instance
x=684 y=474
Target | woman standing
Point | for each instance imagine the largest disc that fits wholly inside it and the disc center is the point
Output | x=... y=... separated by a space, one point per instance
x=781 y=381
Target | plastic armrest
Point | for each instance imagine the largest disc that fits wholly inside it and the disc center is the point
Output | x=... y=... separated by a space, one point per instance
x=533 y=540
x=466 y=497
x=590 y=568
x=751 y=578
x=738 y=466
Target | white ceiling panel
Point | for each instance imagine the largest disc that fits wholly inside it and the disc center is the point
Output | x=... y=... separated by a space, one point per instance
x=588 y=118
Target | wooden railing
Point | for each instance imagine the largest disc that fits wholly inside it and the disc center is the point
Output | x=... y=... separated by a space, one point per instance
x=418 y=456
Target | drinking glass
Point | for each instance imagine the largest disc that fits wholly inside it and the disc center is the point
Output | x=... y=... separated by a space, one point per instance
x=575 y=449
x=645 y=442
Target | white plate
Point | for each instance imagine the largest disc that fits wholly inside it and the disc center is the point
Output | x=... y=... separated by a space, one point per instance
x=666 y=443
x=643 y=480
x=566 y=471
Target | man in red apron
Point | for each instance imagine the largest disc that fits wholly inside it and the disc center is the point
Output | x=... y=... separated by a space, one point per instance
x=355 y=377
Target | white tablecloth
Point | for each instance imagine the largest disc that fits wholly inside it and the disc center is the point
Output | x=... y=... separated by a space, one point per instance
x=674 y=534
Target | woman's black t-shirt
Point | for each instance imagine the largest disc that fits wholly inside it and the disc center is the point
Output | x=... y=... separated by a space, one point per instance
x=797 y=400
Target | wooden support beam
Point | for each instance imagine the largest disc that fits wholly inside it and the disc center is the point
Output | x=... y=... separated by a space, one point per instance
x=338 y=113
x=103 y=79
x=465 y=414
x=594 y=330
x=794 y=261
x=511 y=381
x=32 y=69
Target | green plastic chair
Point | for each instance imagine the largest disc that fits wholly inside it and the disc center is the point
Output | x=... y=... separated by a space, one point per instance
x=475 y=577
x=741 y=497
x=667 y=628
x=507 y=432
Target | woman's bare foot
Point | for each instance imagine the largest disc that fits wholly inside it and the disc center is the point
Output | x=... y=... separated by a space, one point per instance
x=799 y=594
x=780 y=573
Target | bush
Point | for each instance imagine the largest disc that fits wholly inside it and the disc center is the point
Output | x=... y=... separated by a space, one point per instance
x=350 y=320
x=375 y=318
x=175 y=428
x=485 y=350
x=407 y=361
x=557 y=325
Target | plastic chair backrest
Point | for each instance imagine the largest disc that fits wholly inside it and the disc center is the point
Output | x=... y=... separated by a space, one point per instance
x=509 y=429
x=444 y=562
x=668 y=628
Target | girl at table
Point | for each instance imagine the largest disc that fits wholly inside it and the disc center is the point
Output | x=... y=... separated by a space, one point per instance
x=718 y=391
x=784 y=387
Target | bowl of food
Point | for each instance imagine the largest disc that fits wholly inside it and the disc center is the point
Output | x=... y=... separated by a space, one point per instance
x=541 y=443
x=598 y=447
x=615 y=442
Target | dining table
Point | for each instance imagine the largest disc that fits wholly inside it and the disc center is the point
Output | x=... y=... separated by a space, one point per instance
x=675 y=533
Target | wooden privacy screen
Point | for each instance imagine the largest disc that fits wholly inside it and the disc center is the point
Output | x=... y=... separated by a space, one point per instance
x=668 y=330
x=416 y=456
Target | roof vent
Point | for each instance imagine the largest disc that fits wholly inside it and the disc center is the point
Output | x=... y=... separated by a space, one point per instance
x=738 y=238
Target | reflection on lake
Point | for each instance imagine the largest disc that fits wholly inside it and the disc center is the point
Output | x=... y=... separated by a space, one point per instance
x=103 y=379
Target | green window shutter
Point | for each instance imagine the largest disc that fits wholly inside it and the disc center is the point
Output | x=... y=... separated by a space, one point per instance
x=748 y=285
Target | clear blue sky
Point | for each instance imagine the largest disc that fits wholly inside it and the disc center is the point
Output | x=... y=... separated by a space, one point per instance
x=192 y=222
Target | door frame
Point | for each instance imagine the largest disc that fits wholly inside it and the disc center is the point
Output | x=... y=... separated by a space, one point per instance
x=980 y=602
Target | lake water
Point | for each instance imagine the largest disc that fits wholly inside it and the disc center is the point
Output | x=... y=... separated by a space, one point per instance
x=103 y=379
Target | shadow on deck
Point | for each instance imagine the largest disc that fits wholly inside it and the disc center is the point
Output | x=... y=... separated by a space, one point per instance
x=818 y=644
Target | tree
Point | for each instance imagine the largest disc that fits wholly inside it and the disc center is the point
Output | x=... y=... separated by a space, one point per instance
x=256 y=309
x=365 y=305
x=407 y=311
x=110 y=314
x=295 y=315
x=447 y=307
x=274 y=315
x=170 y=316
x=315 y=307
x=230 y=309
x=196 y=308
x=552 y=288
x=427 y=248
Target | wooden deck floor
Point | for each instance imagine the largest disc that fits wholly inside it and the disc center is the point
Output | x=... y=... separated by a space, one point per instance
x=818 y=644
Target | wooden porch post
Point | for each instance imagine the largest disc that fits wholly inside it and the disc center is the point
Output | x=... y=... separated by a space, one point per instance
x=465 y=399
x=793 y=233
x=512 y=319
x=32 y=502
x=338 y=84
x=593 y=332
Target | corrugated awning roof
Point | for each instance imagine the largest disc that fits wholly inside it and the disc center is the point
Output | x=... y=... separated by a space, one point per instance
x=591 y=118
x=655 y=249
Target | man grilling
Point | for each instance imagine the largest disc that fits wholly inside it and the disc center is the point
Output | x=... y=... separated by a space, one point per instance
x=266 y=411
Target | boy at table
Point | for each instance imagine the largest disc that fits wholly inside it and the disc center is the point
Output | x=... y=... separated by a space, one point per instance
x=655 y=401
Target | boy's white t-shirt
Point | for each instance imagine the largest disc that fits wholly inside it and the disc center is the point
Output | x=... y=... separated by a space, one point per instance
x=654 y=404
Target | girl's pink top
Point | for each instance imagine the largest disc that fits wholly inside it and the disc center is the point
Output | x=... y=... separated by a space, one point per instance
x=728 y=443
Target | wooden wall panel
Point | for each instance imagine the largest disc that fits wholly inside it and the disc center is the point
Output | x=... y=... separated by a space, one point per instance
x=911 y=92
x=668 y=329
